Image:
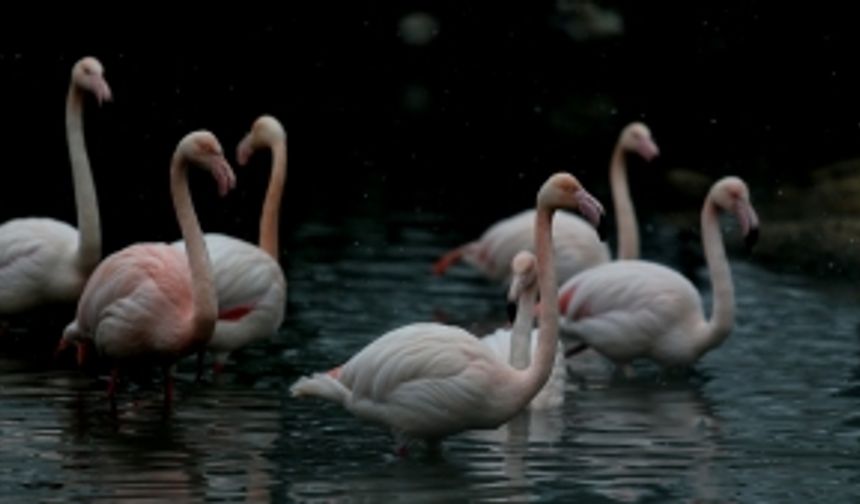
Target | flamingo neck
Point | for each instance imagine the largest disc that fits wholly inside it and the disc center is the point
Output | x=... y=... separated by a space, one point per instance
x=538 y=371
x=722 y=320
x=90 y=244
x=272 y=205
x=204 y=302
x=625 y=214
x=521 y=331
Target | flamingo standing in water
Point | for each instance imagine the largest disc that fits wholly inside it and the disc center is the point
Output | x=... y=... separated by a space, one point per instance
x=428 y=381
x=637 y=309
x=151 y=302
x=578 y=246
x=43 y=260
x=515 y=345
x=249 y=281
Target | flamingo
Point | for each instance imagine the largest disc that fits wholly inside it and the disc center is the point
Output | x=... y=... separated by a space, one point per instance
x=429 y=380
x=638 y=309
x=43 y=260
x=578 y=245
x=515 y=345
x=248 y=279
x=151 y=302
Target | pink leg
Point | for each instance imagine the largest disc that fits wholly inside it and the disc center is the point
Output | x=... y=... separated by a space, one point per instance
x=200 y=356
x=112 y=386
x=83 y=353
x=168 y=385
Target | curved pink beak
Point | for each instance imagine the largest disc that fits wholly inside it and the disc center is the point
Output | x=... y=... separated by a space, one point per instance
x=223 y=174
x=244 y=150
x=748 y=220
x=648 y=149
x=103 y=92
x=589 y=207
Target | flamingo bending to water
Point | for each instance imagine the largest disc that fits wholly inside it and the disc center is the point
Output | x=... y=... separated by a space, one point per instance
x=152 y=302
x=638 y=309
x=428 y=381
x=43 y=260
x=249 y=281
x=577 y=245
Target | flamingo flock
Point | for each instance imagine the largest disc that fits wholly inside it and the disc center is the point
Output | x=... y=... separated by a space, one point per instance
x=155 y=304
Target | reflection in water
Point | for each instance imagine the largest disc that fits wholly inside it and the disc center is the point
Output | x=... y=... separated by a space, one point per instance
x=771 y=415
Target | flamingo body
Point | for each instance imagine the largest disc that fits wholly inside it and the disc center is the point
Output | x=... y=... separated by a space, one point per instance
x=630 y=309
x=138 y=306
x=251 y=292
x=38 y=264
x=577 y=246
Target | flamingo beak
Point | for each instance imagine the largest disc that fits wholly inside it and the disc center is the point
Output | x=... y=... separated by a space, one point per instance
x=648 y=149
x=223 y=174
x=589 y=207
x=103 y=92
x=748 y=220
x=244 y=150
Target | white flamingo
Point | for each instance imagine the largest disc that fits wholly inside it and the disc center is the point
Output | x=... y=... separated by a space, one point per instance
x=428 y=381
x=637 y=309
x=577 y=245
x=249 y=281
x=43 y=260
x=516 y=345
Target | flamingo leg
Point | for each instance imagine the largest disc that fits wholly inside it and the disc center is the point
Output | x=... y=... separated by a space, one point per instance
x=217 y=367
x=200 y=356
x=168 y=385
x=112 y=386
x=83 y=353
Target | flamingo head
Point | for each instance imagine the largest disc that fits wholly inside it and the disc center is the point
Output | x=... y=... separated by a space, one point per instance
x=636 y=137
x=730 y=194
x=203 y=149
x=88 y=75
x=563 y=190
x=266 y=131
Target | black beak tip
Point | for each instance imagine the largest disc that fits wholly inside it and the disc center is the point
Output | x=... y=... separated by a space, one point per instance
x=751 y=239
x=512 y=311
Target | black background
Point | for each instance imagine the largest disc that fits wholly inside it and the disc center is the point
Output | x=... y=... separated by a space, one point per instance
x=767 y=91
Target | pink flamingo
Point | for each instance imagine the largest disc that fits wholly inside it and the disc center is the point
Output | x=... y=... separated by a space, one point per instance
x=428 y=381
x=249 y=282
x=578 y=246
x=151 y=302
x=638 y=309
x=515 y=345
x=43 y=260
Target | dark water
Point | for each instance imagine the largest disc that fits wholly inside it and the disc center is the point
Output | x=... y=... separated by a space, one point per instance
x=771 y=416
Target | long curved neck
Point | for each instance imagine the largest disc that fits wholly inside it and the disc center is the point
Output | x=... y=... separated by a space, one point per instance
x=90 y=241
x=272 y=205
x=522 y=330
x=539 y=369
x=722 y=318
x=202 y=283
x=625 y=215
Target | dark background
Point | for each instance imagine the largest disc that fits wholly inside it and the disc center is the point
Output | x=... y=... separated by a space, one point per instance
x=468 y=123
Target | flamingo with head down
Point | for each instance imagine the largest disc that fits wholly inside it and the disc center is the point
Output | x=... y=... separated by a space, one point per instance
x=428 y=381
x=249 y=282
x=44 y=260
x=152 y=303
x=638 y=309
x=577 y=245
